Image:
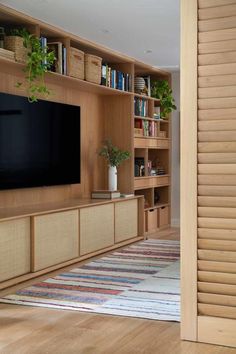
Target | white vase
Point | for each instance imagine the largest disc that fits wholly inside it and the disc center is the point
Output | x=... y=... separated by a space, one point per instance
x=112 y=178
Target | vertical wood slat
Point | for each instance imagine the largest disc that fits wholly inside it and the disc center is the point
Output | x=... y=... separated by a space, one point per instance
x=189 y=169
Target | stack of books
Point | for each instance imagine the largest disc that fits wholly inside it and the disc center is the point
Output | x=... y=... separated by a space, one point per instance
x=115 y=79
x=60 y=64
x=149 y=128
x=105 y=194
x=8 y=54
x=140 y=107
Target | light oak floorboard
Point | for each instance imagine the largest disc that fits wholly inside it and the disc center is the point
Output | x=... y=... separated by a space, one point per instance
x=32 y=330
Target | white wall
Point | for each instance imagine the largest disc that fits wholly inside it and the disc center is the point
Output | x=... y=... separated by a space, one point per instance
x=175 y=190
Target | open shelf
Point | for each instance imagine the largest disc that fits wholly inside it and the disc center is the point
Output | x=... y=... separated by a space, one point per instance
x=152 y=119
x=147 y=97
x=151 y=181
x=151 y=137
x=79 y=84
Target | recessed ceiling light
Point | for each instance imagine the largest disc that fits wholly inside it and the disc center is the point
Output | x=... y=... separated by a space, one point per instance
x=104 y=30
x=148 y=51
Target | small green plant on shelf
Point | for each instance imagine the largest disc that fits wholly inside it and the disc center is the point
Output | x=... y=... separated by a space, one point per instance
x=38 y=62
x=160 y=89
x=113 y=154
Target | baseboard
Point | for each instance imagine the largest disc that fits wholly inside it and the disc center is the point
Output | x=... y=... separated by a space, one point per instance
x=175 y=222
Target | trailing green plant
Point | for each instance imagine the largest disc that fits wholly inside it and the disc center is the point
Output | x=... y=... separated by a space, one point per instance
x=113 y=154
x=39 y=61
x=160 y=89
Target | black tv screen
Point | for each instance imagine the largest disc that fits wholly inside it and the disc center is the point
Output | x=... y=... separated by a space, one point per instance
x=39 y=143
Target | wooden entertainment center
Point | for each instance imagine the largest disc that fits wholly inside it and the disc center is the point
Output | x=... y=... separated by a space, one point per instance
x=25 y=214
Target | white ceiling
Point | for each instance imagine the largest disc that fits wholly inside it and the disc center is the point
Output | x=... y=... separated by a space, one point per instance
x=133 y=27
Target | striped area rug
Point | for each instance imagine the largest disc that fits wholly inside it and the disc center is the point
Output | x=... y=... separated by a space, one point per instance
x=141 y=280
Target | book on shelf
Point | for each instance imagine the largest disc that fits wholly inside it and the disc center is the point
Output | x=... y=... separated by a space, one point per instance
x=115 y=79
x=149 y=128
x=123 y=195
x=147 y=80
x=105 y=194
x=8 y=54
x=140 y=107
x=43 y=43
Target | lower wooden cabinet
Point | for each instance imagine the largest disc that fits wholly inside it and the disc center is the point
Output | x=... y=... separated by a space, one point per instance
x=126 y=220
x=55 y=238
x=14 y=248
x=96 y=228
x=33 y=244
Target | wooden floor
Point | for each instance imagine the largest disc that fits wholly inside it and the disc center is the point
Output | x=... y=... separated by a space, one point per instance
x=35 y=330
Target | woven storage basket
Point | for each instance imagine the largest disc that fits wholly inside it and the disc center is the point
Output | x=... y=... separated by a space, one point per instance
x=15 y=44
x=76 y=67
x=93 y=67
x=162 y=134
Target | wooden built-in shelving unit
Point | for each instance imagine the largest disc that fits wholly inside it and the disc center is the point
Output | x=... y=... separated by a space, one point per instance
x=105 y=113
x=154 y=148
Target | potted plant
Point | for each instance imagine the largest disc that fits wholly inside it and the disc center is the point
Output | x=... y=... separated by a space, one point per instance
x=114 y=157
x=160 y=89
x=37 y=62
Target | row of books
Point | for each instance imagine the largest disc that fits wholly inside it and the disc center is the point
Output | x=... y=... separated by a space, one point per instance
x=140 y=107
x=60 y=64
x=115 y=79
x=150 y=128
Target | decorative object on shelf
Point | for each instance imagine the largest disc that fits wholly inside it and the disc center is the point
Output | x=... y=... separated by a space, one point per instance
x=160 y=89
x=157 y=112
x=156 y=197
x=114 y=157
x=162 y=134
x=147 y=80
x=2 y=34
x=38 y=62
x=139 y=84
x=76 y=63
x=93 y=67
x=139 y=167
x=138 y=132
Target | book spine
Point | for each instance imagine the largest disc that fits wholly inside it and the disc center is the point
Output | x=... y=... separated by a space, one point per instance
x=64 y=60
x=60 y=58
x=43 y=43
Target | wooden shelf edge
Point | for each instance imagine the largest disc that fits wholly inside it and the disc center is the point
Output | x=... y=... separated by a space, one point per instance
x=137 y=178
x=150 y=137
x=157 y=206
x=79 y=84
x=151 y=119
x=146 y=97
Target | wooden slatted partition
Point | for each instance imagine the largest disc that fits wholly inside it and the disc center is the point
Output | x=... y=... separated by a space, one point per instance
x=208 y=171
x=216 y=270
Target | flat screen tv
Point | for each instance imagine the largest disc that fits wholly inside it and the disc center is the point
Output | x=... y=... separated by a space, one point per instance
x=39 y=143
